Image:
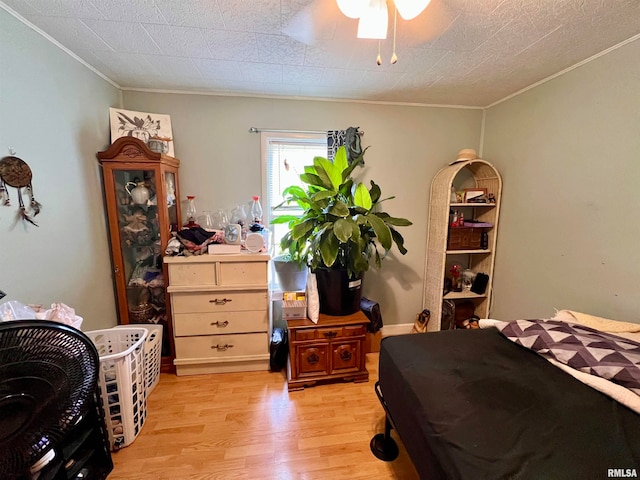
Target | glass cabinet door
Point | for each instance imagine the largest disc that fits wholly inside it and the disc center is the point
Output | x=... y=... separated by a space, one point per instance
x=172 y=200
x=140 y=246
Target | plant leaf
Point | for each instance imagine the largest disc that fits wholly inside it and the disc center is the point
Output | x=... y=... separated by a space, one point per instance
x=283 y=219
x=399 y=241
x=339 y=209
x=312 y=179
x=318 y=163
x=333 y=172
x=340 y=161
x=383 y=233
x=299 y=230
x=397 y=222
x=343 y=229
x=322 y=195
x=329 y=249
x=374 y=192
x=361 y=197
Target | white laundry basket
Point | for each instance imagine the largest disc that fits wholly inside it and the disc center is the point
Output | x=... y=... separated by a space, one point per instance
x=152 y=353
x=122 y=381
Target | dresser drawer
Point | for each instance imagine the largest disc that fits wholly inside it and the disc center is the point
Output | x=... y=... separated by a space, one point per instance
x=329 y=333
x=192 y=274
x=222 y=345
x=243 y=273
x=186 y=324
x=214 y=302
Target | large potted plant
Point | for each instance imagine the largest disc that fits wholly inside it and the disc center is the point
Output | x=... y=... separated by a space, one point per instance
x=341 y=232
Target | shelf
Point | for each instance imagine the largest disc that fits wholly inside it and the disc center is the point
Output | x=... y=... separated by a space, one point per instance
x=472 y=204
x=445 y=244
x=461 y=295
x=465 y=252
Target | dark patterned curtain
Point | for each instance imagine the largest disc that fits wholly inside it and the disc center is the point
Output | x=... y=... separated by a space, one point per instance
x=350 y=138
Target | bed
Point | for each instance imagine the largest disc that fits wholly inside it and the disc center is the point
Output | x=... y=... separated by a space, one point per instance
x=477 y=404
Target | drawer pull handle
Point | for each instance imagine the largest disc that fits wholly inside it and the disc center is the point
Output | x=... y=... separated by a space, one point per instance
x=220 y=324
x=330 y=334
x=222 y=348
x=345 y=355
x=220 y=301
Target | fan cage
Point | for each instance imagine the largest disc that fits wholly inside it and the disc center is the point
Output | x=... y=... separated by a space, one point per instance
x=36 y=354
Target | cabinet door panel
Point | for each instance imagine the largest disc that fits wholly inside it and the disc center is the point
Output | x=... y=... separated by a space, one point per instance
x=345 y=356
x=312 y=359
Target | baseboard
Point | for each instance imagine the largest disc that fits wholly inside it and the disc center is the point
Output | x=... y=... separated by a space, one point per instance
x=399 y=329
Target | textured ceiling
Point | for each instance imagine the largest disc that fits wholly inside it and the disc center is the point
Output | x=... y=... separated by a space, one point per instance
x=457 y=52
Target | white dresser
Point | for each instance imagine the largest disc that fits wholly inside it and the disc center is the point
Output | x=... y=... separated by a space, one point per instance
x=220 y=311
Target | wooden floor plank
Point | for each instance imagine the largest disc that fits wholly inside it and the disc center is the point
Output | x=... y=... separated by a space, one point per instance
x=247 y=425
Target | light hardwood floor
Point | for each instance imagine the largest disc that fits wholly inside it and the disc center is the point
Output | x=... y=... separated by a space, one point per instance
x=248 y=426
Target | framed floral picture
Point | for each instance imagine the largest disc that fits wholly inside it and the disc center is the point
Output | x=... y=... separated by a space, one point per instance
x=145 y=126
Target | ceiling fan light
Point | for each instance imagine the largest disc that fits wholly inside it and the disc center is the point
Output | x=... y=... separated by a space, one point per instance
x=410 y=9
x=352 y=8
x=374 y=21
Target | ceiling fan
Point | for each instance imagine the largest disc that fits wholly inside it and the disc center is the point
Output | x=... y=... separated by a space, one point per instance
x=323 y=19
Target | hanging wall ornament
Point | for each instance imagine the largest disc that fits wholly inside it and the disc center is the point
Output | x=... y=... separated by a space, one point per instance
x=14 y=172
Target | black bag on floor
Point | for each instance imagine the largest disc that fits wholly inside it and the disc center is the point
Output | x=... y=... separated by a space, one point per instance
x=278 y=349
x=371 y=309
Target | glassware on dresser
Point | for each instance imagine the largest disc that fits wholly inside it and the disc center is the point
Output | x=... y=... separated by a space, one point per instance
x=191 y=212
x=207 y=221
x=220 y=220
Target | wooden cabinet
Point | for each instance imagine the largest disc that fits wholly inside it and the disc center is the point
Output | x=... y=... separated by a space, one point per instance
x=141 y=195
x=220 y=312
x=447 y=245
x=331 y=349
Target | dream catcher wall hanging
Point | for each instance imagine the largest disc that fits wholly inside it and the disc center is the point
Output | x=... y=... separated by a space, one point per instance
x=14 y=172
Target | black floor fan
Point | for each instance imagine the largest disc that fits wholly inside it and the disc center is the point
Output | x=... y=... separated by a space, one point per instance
x=51 y=418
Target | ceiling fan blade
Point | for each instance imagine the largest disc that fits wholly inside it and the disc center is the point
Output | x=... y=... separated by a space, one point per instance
x=313 y=23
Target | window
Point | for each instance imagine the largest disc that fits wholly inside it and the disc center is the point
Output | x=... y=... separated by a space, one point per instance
x=284 y=156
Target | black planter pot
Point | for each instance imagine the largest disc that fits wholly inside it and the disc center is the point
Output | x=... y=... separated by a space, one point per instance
x=338 y=294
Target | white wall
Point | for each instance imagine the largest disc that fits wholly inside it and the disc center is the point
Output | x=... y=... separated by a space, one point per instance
x=54 y=113
x=221 y=163
x=569 y=153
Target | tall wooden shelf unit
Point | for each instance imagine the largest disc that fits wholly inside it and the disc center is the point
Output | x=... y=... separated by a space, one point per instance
x=139 y=232
x=467 y=174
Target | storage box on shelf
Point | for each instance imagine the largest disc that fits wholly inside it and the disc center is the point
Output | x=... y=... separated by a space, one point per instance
x=464 y=238
x=122 y=381
x=220 y=312
x=461 y=244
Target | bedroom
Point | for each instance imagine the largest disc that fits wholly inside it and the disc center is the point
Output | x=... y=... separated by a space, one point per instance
x=568 y=151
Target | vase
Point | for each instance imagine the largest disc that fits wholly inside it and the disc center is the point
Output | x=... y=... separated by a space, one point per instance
x=339 y=295
x=291 y=278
